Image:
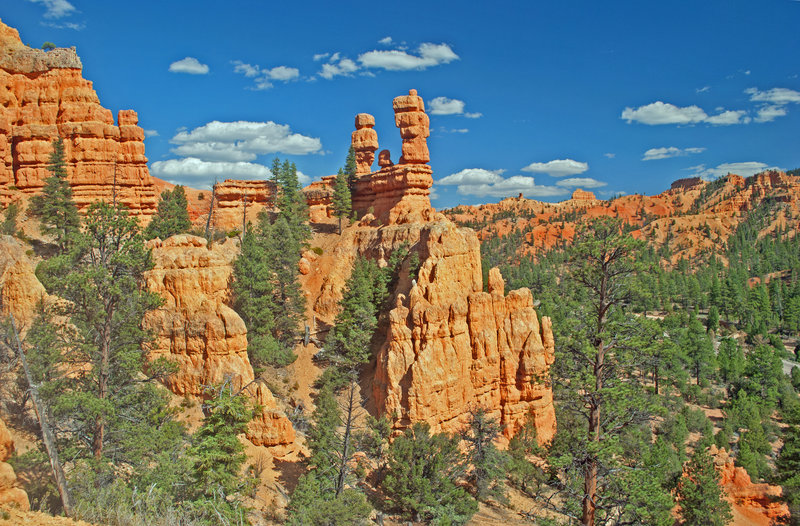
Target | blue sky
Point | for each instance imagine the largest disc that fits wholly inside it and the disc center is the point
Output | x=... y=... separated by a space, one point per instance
x=531 y=97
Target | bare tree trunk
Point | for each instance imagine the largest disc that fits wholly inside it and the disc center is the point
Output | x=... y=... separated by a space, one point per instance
x=346 y=440
x=102 y=387
x=47 y=434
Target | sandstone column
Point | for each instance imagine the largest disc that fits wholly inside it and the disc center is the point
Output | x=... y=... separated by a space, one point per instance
x=365 y=142
x=414 y=126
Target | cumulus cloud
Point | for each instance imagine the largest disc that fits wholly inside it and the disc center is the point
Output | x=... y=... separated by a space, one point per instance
x=745 y=169
x=386 y=41
x=770 y=112
x=150 y=133
x=189 y=65
x=56 y=8
x=196 y=172
x=774 y=95
x=338 y=67
x=659 y=112
x=482 y=182
x=582 y=182
x=320 y=56
x=242 y=141
x=428 y=55
x=558 y=167
x=446 y=106
x=665 y=153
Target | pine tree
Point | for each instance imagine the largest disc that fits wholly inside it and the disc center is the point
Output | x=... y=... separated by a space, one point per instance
x=787 y=468
x=55 y=207
x=699 y=495
x=350 y=168
x=422 y=474
x=342 y=205
x=699 y=349
x=218 y=455
x=172 y=216
x=731 y=360
x=488 y=464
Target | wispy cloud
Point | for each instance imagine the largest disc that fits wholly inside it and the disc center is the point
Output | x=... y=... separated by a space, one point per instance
x=745 y=169
x=427 y=55
x=610 y=155
x=665 y=153
x=189 y=65
x=660 y=112
x=56 y=8
x=386 y=41
x=558 y=167
x=263 y=77
x=703 y=89
x=151 y=133
x=581 y=182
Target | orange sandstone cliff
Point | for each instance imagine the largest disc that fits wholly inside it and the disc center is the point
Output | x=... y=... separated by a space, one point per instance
x=197 y=330
x=43 y=96
x=10 y=492
x=751 y=503
x=450 y=347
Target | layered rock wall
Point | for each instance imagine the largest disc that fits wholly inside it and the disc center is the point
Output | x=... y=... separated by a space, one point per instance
x=196 y=329
x=20 y=290
x=10 y=492
x=43 y=96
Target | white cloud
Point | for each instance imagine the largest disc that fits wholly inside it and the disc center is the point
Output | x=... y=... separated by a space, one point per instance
x=664 y=113
x=582 y=182
x=745 y=169
x=610 y=155
x=475 y=115
x=558 y=167
x=283 y=73
x=195 y=171
x=56 y=8
x=302 y=178
x=481 y=182
x=320 y=56
x=151 y=133
x=386 y=41
x=726 y=118
x=665 y=153
x=770 y=112
x=445 y=106
x=703 y=89
x=189 y=65
x=343 y=67
x=428 y=55
x=242 y=141
x=77 y=26
x=264 y=76
x=248 y=70
x=472 y=176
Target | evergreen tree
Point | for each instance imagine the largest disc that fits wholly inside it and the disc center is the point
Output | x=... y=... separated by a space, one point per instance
x=291 y=202
x=422 y=474
x=787 y=468
x=218 y=455
x=488 y=464
x=730 y=359
x=342 y=205
x=699 y=495
x=9 y=225
x=172 y=216
x=699 y=350
x=55 y=207
x=350 y=168
x=712 y=322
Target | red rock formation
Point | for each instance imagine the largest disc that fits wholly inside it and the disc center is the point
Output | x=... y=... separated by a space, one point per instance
x=197 y=330
x=10 y=492
x=685 y=183
x=752 y=504
x=44 y=96
x=20 y=290
x=319 y=197
x=414 y=126
x=452 y=348
x=582 y=195
x=240 y=201
x=365 y=142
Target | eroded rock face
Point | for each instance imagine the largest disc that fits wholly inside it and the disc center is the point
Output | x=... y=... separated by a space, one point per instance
x=751 y=503
x=365 y=142
x=43 y=96
x=20 y=290
x=239 y=202
x=453 y=348
x=10 y=492
x=196 y=328
x=414 y=124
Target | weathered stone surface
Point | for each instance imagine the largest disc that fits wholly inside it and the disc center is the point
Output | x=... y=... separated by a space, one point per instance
x=414 y=126
x=20 y=290
x=583 y=195
x=751 y=503
x=10 y=492
x=238 y=202
x=364 y=142
x=196 y=329
x=44 y=96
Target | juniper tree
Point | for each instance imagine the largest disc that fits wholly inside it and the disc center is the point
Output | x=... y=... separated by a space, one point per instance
x=55 y=207
x=172 y=216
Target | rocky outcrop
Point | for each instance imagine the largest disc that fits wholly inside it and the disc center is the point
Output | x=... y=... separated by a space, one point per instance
x=414 y=124
x=583 y=195
x=20 y=290
x=751 y=503
x=43 y=96
x=453 y=348
x=238 y=202
x=196 y=329
x=10 y=492
x=365 y=142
